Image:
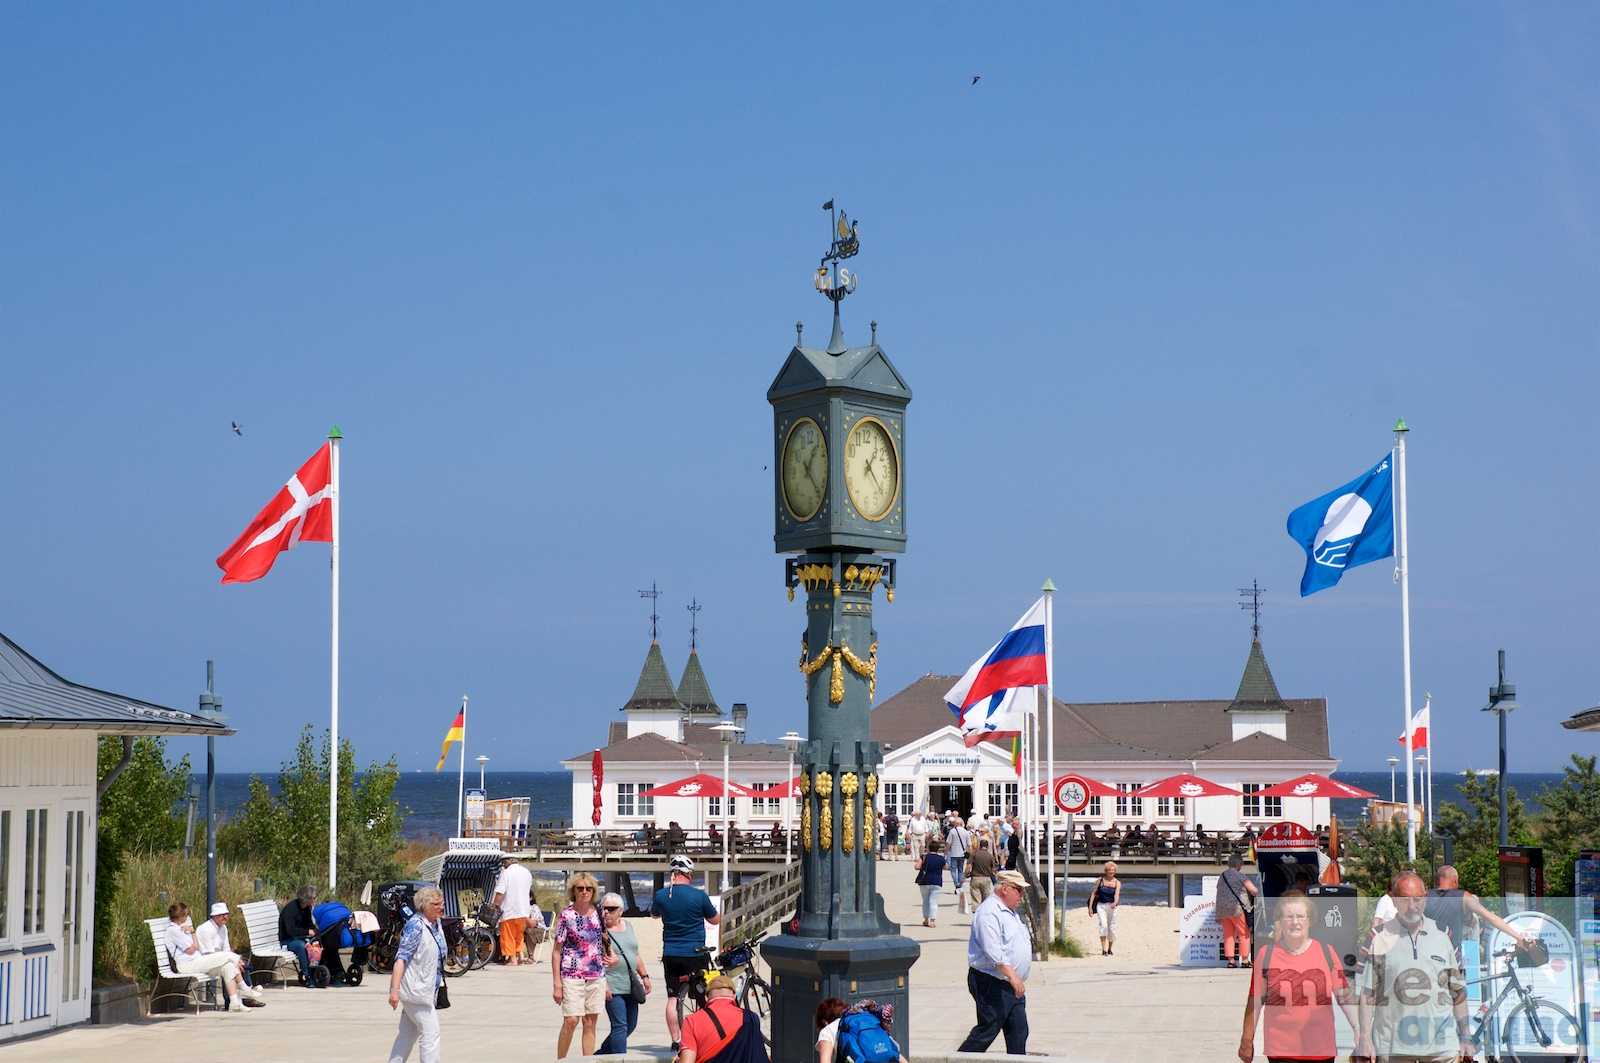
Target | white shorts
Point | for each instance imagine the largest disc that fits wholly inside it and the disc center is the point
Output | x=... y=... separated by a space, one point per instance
x=582 y=996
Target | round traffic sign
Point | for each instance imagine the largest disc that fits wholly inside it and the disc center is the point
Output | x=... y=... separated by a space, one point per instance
x=1071 y=794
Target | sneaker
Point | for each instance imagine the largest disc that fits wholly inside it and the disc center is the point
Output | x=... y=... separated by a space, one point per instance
x=235 y=1005
x=252 y=1002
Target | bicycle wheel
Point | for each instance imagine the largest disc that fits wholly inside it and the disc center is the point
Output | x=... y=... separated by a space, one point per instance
x=481 y=940
x=757 y=997
x=1540 y=1032
x=458 y=957
x=381 y=958
x=691 y=997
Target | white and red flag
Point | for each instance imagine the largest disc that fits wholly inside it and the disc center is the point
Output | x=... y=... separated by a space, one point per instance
x=302 y=511
x=1419 y=730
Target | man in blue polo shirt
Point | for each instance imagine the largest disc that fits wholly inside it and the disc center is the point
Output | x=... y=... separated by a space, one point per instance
x=684 y=912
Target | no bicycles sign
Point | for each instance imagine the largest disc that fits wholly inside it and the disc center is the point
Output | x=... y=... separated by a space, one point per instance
x=1071 y=793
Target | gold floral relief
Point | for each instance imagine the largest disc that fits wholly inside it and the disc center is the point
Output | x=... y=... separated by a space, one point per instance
x=805 y=826
x=872 y=786
x=824 y=783
x=805 y=782
x=812 y=667
x=848 y=784
x=836 y=687
x=847 y=839
x=867 y=669
x=866 y=830
x=827 y=826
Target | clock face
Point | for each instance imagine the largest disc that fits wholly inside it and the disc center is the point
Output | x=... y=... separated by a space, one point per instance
x=871 y=469
x=805 y=469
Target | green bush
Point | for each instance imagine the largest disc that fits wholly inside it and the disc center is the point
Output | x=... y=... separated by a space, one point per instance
x=286 y=836
x=1569 y=823
x=1475 y=834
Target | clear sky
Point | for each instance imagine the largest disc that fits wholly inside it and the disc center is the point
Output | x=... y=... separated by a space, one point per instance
x=1163 y=274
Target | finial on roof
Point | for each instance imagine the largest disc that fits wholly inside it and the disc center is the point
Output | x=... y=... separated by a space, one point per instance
x=799 y=327
x=694 y=607
x=653 y=594
x=842 y=282
x=1253 y=606
x=874 y=333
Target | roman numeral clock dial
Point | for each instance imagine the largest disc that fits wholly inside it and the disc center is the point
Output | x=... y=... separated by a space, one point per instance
x=871 y=469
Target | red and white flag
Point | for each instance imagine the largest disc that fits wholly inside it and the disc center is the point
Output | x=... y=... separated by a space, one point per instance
x=1419 y=730
x=301 y=512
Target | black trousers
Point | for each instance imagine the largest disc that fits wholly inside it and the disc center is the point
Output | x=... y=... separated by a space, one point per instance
x=999 y=1010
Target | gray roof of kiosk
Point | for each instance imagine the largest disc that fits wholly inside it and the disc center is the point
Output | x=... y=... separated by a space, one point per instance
x=35 y=698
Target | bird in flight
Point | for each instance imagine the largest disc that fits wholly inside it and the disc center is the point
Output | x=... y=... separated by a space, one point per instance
x=236 y=430
x=975 y=80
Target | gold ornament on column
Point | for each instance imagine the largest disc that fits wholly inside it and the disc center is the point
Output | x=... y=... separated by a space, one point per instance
x=805 y=826
x=825 y=791
x=836 y=687
x=867 y=820
x=847 y=790
x=872 y=786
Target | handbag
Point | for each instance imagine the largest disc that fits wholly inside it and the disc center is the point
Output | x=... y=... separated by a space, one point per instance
x=636 y=988
x=1094 y=896
x=1248 y=909
x=922 y=876
x=441 y=999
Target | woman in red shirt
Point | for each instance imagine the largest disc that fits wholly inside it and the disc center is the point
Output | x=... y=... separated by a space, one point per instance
x=1294 y=985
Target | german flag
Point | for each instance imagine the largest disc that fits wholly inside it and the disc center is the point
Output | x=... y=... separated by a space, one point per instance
x=457 y=733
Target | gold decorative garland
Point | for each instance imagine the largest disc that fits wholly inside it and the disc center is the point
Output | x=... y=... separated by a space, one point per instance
x=825 y=791
x=867 y=820
x=805 y=826
x=816 y=665
x=847 y=791
x=867 y=669
x=836 y=684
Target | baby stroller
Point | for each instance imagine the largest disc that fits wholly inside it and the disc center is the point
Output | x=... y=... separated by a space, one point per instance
x=336 y=930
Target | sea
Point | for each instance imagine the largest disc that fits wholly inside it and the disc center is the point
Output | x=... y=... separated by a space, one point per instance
x=429 y=799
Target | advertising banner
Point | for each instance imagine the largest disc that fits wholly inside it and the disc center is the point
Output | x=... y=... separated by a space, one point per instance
x=1555 y=983
x=1199 y=933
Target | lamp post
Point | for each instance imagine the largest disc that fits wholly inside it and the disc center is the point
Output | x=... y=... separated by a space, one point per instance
x=1427 y=791
x=482 y=760
x=211 y=709
x=1502 y=699
x=1392 y=762
x=728 y=732
x=791 y=742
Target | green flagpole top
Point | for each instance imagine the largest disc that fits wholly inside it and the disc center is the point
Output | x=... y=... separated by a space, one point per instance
x=1399 y=426
x=1049 y=585
x=334 y=433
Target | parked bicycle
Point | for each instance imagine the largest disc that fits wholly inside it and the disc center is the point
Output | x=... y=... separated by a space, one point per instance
x=750 y=989
x=1536 y=1030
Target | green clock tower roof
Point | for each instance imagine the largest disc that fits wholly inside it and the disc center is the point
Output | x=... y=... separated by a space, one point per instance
x=860 y=369
x=693 y=690
x=1257 y=691
x=654 y=690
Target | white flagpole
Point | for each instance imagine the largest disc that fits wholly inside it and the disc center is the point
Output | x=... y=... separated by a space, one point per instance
x=334 y=438
x=1050 y=752
x=461 y=780
x=1405 y=639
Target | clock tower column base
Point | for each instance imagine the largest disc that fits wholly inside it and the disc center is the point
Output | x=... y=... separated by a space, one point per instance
x=805 y=970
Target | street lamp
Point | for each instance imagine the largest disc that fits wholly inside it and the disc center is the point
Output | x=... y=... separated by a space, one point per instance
x=211 y=709
x=791 y=742
x=728 y=732
x=1427 y=790
x=1392 y=762
x=482 y=760
x=1502 y=699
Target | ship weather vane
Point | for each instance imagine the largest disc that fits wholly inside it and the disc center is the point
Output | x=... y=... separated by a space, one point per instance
x=845 y=245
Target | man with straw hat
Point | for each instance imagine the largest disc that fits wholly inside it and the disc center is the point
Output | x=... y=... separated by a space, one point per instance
x=999 y=956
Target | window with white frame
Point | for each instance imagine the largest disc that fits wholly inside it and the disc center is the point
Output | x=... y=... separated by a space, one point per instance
x=765 y=806
x=1094 y=807
x=625 y=798
x=716 y=807
x=36 y=828
x=1257 y=807
x=1002 y=798
x=1129 y=806
x=646 y=805
x=1171 y=806
x=900 y=798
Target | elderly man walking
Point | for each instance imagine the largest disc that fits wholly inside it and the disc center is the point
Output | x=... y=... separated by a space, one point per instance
x=999 y=956
x=511 y=895
x=917 y=835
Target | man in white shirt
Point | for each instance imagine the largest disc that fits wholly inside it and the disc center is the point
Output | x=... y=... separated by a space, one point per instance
x=917 y=835
x=511 y=894
x=189 y=958
x=999 y=957
x=1413 y=995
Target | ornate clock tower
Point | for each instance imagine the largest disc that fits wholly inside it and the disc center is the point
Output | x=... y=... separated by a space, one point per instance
x=839 y=506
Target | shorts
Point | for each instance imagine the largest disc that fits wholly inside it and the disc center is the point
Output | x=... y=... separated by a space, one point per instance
x=677 y=969
x=583 y=996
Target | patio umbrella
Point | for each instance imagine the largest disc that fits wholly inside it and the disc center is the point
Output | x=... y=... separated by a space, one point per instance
x=1187 y=787
x=1095 y=788
x=1314 y=785
x=701 y=785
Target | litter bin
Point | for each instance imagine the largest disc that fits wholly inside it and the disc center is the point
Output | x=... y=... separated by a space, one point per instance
x=1338 y=923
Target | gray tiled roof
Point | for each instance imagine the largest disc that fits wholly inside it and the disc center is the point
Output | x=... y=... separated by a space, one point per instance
x=654 y=689
x=1257 y=691
x=694 y=691
x=703 y=748
x=1110 y=731
x=32 y=696
x=1259 y=746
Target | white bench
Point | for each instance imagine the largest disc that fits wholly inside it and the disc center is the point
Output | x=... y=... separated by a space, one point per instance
x=261 y=924
x=165 y=974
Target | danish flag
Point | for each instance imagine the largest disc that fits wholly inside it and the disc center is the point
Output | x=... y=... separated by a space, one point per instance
x=301 y=512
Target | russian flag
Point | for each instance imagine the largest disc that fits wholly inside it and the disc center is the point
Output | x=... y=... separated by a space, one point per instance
x=996 y=694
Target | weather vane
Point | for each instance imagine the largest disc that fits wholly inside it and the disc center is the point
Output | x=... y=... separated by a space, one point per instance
x=694 y=607
x=654 y=595
x=845 y=245
x=1253 y=606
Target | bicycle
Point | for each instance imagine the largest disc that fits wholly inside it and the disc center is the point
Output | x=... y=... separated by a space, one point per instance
x=1534 y=1026
x=750 y=989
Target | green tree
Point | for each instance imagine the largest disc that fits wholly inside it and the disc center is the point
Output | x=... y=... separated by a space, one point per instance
x=135 y=817
x=1475 y=832
x=1378 y=853
x=1570 y=822
x=287 y=833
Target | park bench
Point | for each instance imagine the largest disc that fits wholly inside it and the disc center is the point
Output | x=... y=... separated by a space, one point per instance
x=261 y=924
x=169 y=983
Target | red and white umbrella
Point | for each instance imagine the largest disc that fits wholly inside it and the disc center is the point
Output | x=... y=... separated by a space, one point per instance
x=701 y=785
x=1314 y=785
x=1185 y=785
x=1095 y=788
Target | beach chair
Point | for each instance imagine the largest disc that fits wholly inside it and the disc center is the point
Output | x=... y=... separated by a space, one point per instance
x=169 y=983
x=266 y=955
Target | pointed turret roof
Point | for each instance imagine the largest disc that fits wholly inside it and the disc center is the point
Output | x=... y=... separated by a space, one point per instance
x=1257 y=691
x=654 y=690
x=694 y=692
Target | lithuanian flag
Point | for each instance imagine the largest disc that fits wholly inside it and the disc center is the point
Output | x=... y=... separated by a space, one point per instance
x=457 y=733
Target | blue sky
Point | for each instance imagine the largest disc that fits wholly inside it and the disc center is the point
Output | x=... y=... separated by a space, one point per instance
x=1162 y=275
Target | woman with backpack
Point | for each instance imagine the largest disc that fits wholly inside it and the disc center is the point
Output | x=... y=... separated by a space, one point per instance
x=930 y=877
x=1294 y=985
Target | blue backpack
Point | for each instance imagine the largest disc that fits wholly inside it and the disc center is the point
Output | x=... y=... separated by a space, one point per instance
x=863 y=1039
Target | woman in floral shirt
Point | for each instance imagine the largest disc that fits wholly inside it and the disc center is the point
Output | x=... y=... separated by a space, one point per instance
x=580 y=974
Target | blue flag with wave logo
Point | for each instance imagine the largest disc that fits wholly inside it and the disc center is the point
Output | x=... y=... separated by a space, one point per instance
x=1348 y=526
